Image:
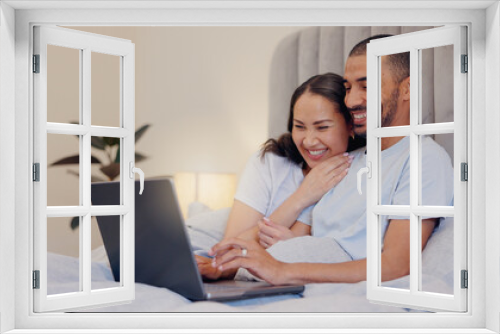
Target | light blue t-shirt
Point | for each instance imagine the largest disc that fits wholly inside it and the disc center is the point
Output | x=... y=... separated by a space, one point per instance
x=341 y=213
x=267 y=182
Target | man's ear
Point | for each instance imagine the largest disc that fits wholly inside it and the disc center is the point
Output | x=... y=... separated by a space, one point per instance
x=404 y=89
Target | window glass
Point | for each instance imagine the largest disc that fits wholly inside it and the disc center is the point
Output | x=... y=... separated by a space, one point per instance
x=439 y=269
x=109 y=228
x=106 y=79
x=388 y=268
x=394 y=88
x=436 y=171
x=63 y=170
x=437 y=60
x=63 y=84
x=395 y=172
x=63 y=249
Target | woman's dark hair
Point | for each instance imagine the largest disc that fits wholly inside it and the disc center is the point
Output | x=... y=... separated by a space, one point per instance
x=329 y=86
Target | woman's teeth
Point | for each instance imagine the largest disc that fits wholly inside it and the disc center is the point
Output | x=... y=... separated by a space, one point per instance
x=317 y=152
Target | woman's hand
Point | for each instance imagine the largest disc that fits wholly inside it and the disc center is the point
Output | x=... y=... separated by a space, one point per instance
x=324 y=177
x=207 y=271
x=237 y=253
x=270 y=232
x=205 y=268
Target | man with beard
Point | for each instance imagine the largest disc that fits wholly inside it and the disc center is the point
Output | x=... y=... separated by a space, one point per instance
x=341 y=215
x=347 y=222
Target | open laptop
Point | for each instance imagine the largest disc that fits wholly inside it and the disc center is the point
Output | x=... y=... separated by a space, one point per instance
x=163 y=253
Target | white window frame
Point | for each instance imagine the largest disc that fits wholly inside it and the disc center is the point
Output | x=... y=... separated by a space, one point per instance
x=484 y=51
x=86 y=44
x=412 y=43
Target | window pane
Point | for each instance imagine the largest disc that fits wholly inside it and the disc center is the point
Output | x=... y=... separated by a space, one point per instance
x=436 y=171
x=437 y=108
x=63 y=183
x=63 y=251
x=446 y=141
x=106 y=260
x=395 y=172
x=402 y=228
x=395 y=89
x=107 y=150
x=63 y=84
x=438 y=259
x=106 y=86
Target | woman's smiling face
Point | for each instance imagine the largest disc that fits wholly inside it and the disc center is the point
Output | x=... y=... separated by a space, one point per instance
x=319 y=129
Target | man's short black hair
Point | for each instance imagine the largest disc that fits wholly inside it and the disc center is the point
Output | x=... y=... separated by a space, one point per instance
x=399 y=63
x=360 y=48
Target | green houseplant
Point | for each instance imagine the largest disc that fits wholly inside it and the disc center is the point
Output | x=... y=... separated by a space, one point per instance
x=110 y=168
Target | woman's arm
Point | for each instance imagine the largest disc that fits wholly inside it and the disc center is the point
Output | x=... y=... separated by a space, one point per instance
x=395 y=260
x=243 y=219
x=270 y=232
x=240 y=218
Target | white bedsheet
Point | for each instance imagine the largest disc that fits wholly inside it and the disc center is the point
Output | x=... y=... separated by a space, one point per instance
x=316 y=297
x=204 y=231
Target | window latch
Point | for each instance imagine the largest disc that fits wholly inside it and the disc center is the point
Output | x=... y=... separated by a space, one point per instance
x=365 y=170
x=132 y=171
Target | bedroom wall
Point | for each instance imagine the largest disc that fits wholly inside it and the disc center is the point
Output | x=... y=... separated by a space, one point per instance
x=204 y=90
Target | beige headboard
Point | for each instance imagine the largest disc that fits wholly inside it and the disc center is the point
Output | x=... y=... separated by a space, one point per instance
x=317 y=50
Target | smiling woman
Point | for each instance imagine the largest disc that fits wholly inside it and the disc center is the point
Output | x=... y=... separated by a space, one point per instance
x=290 y=174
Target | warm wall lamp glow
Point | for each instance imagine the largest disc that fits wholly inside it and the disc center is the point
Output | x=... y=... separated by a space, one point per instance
x=215 y=190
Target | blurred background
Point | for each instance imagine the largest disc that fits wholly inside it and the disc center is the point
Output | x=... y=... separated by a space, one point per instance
x=203 y=91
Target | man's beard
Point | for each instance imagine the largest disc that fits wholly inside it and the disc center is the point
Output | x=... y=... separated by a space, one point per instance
x=360 y=134
x=389 y=108
x=358 y=126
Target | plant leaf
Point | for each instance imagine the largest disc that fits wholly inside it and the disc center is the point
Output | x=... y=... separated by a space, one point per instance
x=94 y=178
x=111 y=171
x=69 y=171
x=75 y=159
x=139 y=157
x=98 y=142
x=140 y=132
x=110 y=141
x=117 y=158
x=75 y=222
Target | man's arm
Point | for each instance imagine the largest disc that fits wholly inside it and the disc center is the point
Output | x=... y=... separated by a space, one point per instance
x=395 y=259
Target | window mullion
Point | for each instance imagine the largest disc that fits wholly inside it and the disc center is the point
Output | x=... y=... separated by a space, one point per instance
x=85 y=174
x=414 y=169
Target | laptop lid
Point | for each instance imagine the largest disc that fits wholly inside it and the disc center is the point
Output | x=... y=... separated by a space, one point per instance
x=163 y=253
x=161 y=242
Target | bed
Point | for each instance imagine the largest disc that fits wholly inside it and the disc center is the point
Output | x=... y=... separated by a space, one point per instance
x=299 y=56
x=205 y=229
